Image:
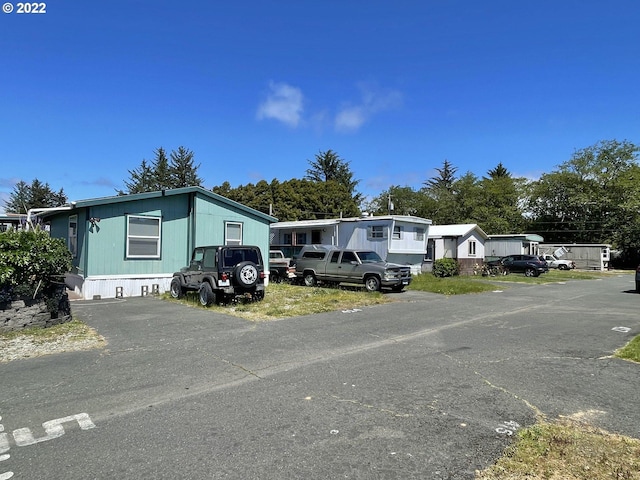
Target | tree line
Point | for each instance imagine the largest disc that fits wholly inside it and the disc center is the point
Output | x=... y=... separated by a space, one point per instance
x=594 y=197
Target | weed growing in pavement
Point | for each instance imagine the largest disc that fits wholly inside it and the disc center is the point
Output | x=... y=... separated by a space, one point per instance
x=631 y=351
x=567 y=450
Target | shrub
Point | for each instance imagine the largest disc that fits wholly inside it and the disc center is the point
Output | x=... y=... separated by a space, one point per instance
x=32 y=265
x=445 y=267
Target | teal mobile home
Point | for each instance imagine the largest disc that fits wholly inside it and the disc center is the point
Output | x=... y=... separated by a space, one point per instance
x=130 y=245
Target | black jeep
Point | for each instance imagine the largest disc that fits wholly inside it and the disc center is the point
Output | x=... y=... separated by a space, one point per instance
x=221 y=274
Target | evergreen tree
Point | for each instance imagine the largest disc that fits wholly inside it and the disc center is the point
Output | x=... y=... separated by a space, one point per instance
x=164 y=173
x=36 y=195
x=328 y=166
x=161 y=170
x=141 y=179
x=182 y=171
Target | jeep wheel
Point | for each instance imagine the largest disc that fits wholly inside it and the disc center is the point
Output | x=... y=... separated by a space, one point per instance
x=372 y=283
x=246 y=274
x=310 y=280
x=206 y=295
x=175 y=289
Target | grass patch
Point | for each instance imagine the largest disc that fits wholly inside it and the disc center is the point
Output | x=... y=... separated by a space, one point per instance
x=462 y=284
x=457 y=285
x=631 y=351
x=285 y=300
x=550 y=276
x=567 y=450
x=36 y=342
x=74 y=330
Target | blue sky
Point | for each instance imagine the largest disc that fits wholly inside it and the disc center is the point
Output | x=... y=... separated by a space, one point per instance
x=257 y=88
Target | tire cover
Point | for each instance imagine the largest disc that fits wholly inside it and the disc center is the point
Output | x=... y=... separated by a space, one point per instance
x=246 y=274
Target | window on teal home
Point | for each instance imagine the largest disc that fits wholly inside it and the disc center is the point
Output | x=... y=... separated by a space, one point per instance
x=73 y=235
x=233 y=233
x=143 y=236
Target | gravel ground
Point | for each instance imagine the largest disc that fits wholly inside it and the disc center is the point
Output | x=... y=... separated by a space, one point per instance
x=26 y=347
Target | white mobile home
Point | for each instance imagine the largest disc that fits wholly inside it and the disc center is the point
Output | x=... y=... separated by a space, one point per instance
x=464 y=242
x=398 y=239
x=588 y=256
x=498 y=246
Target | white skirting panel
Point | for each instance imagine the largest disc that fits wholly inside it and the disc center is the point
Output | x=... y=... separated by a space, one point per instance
x=112 y=286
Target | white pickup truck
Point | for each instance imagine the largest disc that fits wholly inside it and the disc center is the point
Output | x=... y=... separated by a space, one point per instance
x=560 y=264
x=280 y=267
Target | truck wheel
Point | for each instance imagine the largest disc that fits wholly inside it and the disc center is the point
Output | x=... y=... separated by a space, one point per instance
x=206 y=295
x=310 y=280
x=246 y=274
x=563 y=267
x=175 y=289
x=372 y=283
x=530 y=272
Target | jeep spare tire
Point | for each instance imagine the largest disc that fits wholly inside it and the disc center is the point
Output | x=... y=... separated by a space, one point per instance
x=246 y=274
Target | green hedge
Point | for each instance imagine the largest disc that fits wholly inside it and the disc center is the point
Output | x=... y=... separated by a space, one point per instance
x=445 y=267
x=32 y=266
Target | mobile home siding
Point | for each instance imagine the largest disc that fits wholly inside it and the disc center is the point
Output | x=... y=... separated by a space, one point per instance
x=211 y=217
x=107 y=241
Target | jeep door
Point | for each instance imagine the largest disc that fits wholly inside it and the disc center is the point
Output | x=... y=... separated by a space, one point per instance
x=194 y=276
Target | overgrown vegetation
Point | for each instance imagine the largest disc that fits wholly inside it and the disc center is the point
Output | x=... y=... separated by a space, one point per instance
x=285 y=300
x=631 y=351
x=35 y=342
x=567 y=450
x=31 y=267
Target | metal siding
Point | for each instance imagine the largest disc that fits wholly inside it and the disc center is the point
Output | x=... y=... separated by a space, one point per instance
x=210 y=220
x=407 y=244
x=107 y=241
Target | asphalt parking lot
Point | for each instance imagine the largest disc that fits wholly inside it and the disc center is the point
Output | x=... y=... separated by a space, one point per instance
x=426 y=387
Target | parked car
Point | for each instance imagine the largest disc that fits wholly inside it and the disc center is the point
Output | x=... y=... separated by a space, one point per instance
x=280 y=267
x=530 y=265
x=559 y=263
x=638 y=279
x=221 y=274
x=329 y=264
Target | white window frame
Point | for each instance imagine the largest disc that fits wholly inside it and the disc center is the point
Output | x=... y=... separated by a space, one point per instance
x=73 y=236
x=419 y=234
x=375 y=231
x=472 y=248
x=397 y=232
x=233 y=241
x=157 y=238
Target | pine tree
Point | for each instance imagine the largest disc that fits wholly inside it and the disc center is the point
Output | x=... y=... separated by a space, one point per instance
x=183 y=172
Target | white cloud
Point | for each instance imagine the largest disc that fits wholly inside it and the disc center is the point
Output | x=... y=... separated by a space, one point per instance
x=373 y=101
x=284 y=103
x=350 y=118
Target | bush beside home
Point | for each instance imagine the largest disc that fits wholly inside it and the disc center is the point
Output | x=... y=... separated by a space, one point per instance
x=32 y=289
x=446 y=267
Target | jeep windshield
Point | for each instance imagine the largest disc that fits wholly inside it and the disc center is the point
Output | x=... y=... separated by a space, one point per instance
x=369 y=257
x=233 y=256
